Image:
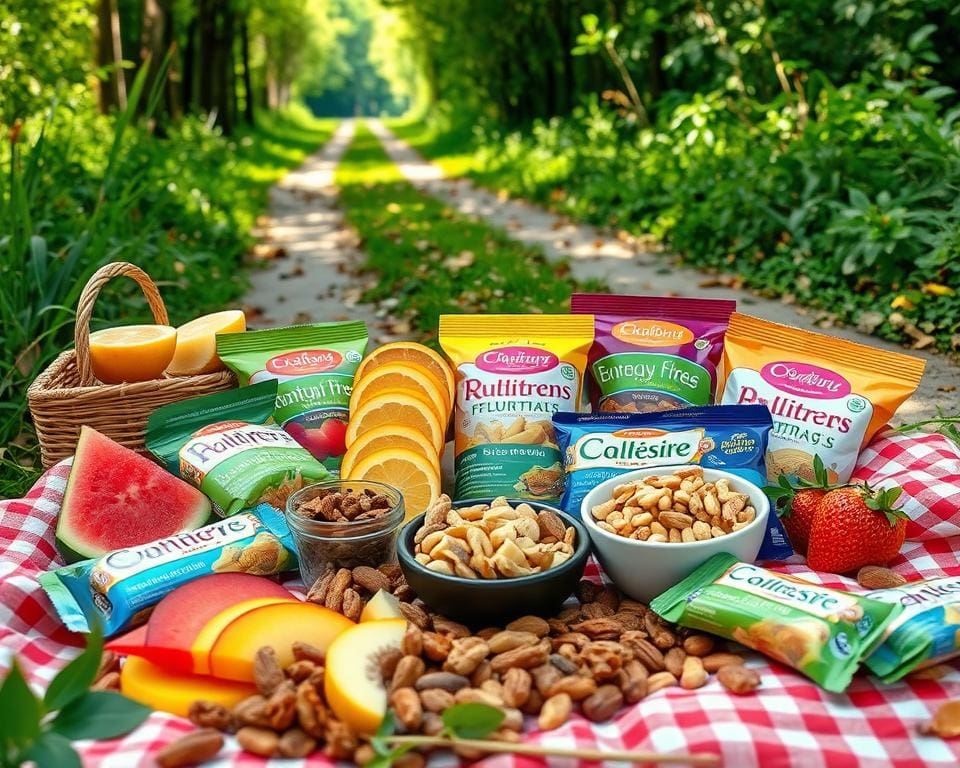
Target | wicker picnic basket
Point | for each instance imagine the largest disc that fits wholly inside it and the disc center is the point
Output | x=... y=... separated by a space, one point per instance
x=67 y=396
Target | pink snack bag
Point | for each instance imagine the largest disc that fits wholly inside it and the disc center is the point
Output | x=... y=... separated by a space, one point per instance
x=653 y=353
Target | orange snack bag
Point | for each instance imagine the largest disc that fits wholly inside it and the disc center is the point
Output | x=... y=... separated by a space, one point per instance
x=827 y=396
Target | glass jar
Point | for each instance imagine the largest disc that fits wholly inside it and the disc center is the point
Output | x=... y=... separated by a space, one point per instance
x=344 y=544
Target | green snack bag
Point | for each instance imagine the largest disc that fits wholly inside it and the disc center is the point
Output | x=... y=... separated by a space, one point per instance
x=821 y=632
x=925 y=634
x=226 y=445
x=313 y=366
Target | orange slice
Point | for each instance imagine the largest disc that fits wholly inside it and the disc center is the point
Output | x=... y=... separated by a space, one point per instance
x=402 y=377
x=392 y=409
x=197 y=342
x=410 y=352
x=415 y=477
x=385 y=438
x=132 y=352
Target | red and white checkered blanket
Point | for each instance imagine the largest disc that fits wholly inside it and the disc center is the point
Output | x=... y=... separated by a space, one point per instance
x=789 y=722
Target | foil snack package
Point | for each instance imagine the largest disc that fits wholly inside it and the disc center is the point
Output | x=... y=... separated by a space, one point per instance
x=828 y=396
x=313 y=366
x=925 y=634
x=119 y=589
x=226 y=445
x=653 y=353
x=598 y=446
x=513 y=372
x=821 y=632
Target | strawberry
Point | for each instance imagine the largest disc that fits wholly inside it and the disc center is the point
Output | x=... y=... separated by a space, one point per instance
x=854 y=527
x=795 y=500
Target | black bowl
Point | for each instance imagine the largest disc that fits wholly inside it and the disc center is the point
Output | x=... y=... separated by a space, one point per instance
x=489 y=602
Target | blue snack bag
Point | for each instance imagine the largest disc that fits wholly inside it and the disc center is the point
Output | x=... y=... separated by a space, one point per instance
x=598 y=446
x=119 y=589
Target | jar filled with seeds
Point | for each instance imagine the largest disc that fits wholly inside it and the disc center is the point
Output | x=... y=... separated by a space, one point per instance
x=343 y=524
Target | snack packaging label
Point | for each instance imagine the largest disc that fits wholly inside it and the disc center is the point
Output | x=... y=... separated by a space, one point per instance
x=926 y=633
x=225 y=445
x=827 y=396
x=313 y=366
x=119 y=589
x=821 y=632
x=598 y=446
x=513 y=373
x=653 y=353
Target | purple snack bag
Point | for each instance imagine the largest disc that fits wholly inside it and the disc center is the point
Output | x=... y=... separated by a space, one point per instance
x=653 y=353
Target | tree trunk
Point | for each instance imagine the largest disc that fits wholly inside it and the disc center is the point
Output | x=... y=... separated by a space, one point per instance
x=248 y=115
x=206 y=36
x=188 y=79
x=113 y=88
x=153 y=34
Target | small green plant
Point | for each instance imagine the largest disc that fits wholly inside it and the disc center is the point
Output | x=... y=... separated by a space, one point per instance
x=461 y=721
x=42 y=729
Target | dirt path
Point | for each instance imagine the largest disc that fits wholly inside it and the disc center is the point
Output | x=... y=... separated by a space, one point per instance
x=627 y=268
x=310 y=275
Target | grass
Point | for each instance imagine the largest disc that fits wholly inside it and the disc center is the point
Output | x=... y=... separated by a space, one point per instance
x=451 y=150
x=432 y=260
x=70 y=200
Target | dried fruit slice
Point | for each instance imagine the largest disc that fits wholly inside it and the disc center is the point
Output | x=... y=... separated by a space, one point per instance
x=410 y=352
x=353 y=682
x=197 y=342
x=132 y=352
x=402 y=377
x=386 y=438
x=416 y=477
x=392 y=409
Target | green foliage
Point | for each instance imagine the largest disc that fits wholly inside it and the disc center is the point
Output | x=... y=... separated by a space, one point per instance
x=182 y=207
x=431 y=260
x=461 y=721
x=41 y=730
x=45 y=52
x=811 y=148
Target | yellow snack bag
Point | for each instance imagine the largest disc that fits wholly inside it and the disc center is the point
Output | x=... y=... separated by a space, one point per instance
x=827 y=396
x=513 y=373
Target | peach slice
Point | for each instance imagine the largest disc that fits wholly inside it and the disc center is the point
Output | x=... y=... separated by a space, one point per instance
x=278 y=625
x=174 y=692
x=353 y=683
x=381 y=606
x=207 y=636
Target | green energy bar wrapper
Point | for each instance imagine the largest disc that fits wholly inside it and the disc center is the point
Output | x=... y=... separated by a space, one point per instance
x=120 y=589
x=818 y=631
x=926 y=633
x=227 y=446
x=313 y=366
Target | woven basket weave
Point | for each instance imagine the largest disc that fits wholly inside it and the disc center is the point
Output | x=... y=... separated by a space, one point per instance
x=67 y=396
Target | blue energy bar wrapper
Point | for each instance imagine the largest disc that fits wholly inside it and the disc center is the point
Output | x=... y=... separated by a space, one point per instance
x=925 y=634
x=598 y=446
x=119 y=589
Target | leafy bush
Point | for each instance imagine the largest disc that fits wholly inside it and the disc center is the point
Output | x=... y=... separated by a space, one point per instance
x=79 y=190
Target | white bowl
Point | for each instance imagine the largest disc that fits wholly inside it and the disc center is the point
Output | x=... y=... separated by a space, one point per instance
x=644 y=569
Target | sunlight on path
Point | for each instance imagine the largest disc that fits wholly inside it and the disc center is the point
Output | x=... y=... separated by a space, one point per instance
x=627 y=268
x=313 y=255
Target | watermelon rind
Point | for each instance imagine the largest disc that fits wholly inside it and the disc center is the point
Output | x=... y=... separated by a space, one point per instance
x=172 y=507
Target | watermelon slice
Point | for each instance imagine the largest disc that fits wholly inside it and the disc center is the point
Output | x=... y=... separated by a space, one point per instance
x=117 y=498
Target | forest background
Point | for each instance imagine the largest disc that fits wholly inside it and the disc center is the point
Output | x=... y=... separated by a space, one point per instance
x=808 y=149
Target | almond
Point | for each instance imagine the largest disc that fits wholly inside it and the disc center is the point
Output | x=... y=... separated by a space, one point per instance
x=877 y=577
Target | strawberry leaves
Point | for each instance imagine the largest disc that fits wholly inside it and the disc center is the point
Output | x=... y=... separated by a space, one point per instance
x=783 y=493
x=882 y=501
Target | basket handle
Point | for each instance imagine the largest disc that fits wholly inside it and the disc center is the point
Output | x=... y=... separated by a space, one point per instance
x=81 y=331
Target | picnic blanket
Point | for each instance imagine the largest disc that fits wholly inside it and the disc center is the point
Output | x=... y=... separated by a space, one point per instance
x=788 y=722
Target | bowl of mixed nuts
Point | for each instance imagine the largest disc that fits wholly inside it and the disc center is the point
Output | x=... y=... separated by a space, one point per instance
x=652 y=527
x=479 y=560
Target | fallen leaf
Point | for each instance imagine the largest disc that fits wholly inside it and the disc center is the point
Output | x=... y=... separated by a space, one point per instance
x=938 y=290
x=945 y=723
x=902 y=302
x=948 y=388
